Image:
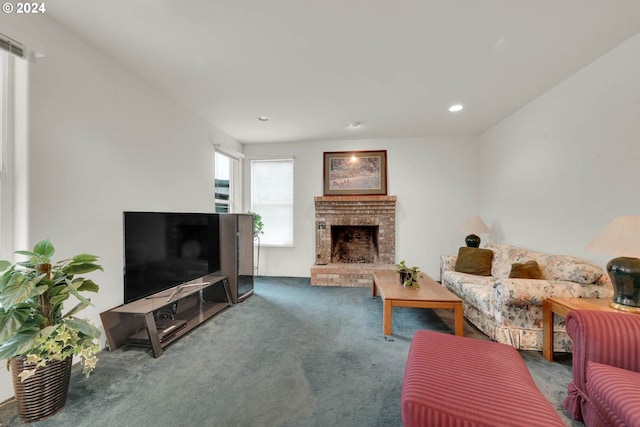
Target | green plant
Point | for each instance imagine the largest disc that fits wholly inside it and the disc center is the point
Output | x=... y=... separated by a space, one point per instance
x=32 y=294
x=258 y=225
x=408 y=275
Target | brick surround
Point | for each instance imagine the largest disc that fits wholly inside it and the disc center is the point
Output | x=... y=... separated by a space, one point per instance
x=377 y=211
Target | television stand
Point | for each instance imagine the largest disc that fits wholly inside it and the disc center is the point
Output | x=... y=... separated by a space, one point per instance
x=187 y=305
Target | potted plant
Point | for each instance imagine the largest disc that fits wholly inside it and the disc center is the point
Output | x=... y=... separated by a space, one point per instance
x=36 y=337
x=408 y=275
x=258 y=226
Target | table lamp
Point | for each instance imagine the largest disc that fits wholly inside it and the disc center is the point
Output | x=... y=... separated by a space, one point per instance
x=475 y=226
x=622 y=239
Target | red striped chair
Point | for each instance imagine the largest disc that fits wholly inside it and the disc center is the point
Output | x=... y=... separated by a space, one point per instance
x=452 y=381
x=605 y=390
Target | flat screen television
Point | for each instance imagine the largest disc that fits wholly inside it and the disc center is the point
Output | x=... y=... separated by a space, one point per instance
x=163 y=250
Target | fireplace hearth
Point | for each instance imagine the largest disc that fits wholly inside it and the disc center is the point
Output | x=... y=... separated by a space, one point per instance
x=354 y=236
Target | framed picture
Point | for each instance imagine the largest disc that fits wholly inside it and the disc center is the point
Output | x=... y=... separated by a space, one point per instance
x=355 y=172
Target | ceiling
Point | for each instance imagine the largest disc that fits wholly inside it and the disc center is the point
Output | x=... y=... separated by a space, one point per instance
x=315 y=67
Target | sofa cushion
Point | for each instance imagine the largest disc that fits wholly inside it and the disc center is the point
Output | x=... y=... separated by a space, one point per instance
x=527 y=270
x=504 y=256
x=615 y=392
x=474 y=261
x=457 y=282
x=573 y=269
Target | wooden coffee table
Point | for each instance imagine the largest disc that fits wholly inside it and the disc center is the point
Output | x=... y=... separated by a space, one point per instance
x=430 y=295
x=562 y=306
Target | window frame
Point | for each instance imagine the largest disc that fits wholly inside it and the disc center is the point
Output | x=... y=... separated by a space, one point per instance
x=6 y=155
x=234 y=202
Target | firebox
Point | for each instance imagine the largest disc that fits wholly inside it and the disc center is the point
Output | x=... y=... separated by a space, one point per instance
x=354 y=244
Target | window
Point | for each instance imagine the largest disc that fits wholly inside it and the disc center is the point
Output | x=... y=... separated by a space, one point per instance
x=272 y=198
x=222 y=183
x=227 y=183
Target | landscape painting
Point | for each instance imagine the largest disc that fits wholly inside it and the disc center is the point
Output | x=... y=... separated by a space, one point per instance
x=355 y=172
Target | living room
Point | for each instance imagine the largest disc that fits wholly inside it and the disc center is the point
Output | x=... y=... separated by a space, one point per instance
x=98 y=139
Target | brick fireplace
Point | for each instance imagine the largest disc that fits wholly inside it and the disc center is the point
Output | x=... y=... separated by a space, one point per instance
x=354 y=236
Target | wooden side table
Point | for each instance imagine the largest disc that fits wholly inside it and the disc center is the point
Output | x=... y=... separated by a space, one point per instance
x=562 y=306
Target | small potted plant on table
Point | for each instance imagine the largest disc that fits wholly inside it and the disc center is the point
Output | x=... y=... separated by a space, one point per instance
x=408 y=275
x=38 y=340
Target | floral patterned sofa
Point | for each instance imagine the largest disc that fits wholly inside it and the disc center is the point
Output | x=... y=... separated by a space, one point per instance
x=509 y=310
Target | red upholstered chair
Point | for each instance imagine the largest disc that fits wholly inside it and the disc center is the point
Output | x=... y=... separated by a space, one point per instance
x=605 y=390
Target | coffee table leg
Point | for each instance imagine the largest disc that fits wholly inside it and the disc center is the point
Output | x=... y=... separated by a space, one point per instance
x=547 y=331
x=459 y=319
x=386 y=317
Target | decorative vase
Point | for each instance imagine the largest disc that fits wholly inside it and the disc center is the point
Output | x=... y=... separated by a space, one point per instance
x=44 y=393
x=404 y=276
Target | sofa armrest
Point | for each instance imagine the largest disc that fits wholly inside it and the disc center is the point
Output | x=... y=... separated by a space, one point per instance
x=447 y=263
x=611 y=338
x=526 y=292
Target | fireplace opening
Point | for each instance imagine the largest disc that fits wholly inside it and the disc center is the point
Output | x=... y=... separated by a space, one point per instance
x=354 y=244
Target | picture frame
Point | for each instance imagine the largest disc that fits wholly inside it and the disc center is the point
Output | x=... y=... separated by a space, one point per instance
x=355 y=172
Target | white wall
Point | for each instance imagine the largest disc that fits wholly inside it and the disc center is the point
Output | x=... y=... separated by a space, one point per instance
x=101 y=141
x=557 y=171
x=435 y=180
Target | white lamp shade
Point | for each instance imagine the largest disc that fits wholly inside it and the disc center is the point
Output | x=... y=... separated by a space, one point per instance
x=620 y=238
x=473 y=225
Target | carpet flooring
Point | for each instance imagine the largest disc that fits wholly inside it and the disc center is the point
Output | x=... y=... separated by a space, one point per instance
x=290 y=355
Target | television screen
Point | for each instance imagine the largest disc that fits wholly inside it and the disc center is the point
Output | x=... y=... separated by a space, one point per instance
x=163 y=250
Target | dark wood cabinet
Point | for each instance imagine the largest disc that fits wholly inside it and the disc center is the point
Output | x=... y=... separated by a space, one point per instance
x=236 y=254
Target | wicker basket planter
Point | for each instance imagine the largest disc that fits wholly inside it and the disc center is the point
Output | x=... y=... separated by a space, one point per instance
x=44 y=393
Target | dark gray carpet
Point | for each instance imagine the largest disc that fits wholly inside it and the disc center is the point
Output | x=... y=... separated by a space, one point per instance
x=291 y=355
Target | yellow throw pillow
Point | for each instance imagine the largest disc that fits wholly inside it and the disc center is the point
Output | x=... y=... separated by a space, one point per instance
x=527 y=270
x=474 y=261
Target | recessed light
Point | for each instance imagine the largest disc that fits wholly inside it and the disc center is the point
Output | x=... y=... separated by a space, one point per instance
x=354 y=125
x=263 y=118
x=455 y=107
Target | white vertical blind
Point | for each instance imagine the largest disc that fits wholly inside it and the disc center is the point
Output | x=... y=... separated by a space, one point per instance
x=272 y=198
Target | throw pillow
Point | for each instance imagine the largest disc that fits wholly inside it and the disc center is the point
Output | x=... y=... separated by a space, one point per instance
x=527 y=270
x=566 y=267
x=474 y=261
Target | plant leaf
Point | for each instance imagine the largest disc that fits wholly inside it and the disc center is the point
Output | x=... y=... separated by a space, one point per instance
x=20 y=343
x=82 y=268
x=76 y=309
x=89 y=286
x=46 y=332
x=44 y=248
x=83 y=326
x=11 y=321
x=13 y=292
x=27 y=253
x=6 y=277
x=76 y=294
x=4 y=264
x=82 y=258
x=58 y=299
x=41 y=289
